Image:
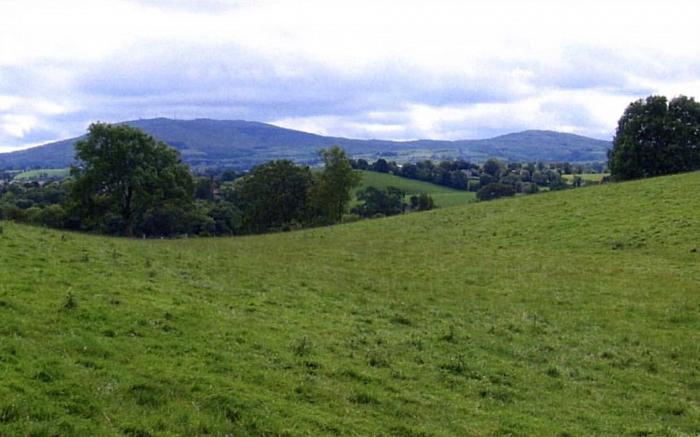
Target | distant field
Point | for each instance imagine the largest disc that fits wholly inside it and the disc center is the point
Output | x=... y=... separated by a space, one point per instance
x=416 y=155
x=587 y=177
x=443 y=196
x=574 y=313
x=43 y=173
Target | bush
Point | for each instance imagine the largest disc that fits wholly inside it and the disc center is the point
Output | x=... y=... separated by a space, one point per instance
x=530 y=188
x=422 y=202
x=350 y=218
x=24 y=203
x=495 y=191
x=11 y=212
x=53 y=216
x=387 y=202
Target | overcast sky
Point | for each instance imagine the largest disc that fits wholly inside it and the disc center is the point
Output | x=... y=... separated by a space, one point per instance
x=365 y=69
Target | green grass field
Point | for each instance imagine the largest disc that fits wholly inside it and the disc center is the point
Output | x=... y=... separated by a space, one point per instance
x=564 y=313
x=443 y=196
x=43 y=173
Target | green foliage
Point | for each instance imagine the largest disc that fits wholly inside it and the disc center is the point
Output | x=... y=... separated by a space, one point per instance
x=204 y=188
x=274 y=196
x=333 y=189
x=557 y=182
x=565 y=313
x=494 y=168
x=279 y=195
x=530 y=188
x=53 y=216
x=384 y=202
x=422 y=202
x=380 y=166
x=655 y=137
x=125 y=173
x=463 y=175
x=36 y=204
x=227 y=218
x=494 y=191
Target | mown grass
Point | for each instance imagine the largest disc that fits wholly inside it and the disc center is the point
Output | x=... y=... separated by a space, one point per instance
x=443 y=196
x=565 y=313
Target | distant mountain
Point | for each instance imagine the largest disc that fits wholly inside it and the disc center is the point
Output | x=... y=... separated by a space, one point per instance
x=242 y=144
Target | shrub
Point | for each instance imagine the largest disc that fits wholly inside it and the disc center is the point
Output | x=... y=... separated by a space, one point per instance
x=53 y=216
x=494 y=191
x=13 y=213
x=422 y=202
x=388 y=201
x=530 y=188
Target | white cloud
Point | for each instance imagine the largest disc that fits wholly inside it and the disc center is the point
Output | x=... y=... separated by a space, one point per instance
x=17 y=125
x=584 y=112
x=367 y=68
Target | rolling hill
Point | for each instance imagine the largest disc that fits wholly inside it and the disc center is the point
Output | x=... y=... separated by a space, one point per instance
x=242 y=144
x=564 y=313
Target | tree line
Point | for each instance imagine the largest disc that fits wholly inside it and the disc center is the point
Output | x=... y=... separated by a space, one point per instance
x=380 y=202
x=490 y=180
x=127 y=183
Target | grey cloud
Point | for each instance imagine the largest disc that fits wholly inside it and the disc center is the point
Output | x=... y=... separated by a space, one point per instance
x=226 y=75
x=225 y=81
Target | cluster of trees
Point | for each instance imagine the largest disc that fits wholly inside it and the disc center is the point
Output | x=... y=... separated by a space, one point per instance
x=655 y=137
x=127 y=183
x=281 y=195
x=494 y=191
x=376 y=202
x=493 y=178
x=33 y=203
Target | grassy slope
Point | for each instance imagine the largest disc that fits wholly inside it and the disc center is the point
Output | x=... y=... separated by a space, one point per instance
x=443 y=196
x=572 y=312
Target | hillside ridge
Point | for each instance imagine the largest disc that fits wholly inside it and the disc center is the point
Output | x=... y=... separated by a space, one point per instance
x=241 y=144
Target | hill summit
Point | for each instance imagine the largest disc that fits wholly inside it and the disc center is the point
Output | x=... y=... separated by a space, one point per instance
x=242 y=144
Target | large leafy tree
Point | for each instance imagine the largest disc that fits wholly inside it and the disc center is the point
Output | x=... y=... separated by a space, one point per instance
x=122 y=174
x=335 y=183
x=656 y=137
x=273 y=195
